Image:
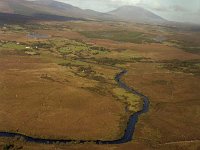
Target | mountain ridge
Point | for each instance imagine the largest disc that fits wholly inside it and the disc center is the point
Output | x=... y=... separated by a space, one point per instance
x=137 y=14
x=53 y=7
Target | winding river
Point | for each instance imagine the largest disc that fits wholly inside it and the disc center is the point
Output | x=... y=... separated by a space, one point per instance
x=128 y=134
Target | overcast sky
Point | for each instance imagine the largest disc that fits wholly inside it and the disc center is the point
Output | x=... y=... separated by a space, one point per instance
x=174 y=10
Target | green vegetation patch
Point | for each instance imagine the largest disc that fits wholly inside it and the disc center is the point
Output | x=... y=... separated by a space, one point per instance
x=13 y=45
x=109 y=61
x=8 y=146
x=121 y=61
x=195 y=50
x=188 y=45
x=122 y=36
x=89 y=73
x=11 y=147
x=14 y=28
x=72 y=48
x=133 y=101
x=43 y=45
x=78 y=48
x=16 y=48
x=190 y=66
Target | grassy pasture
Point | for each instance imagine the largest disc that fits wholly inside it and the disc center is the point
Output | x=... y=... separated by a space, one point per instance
x=122 y=36
x=13 y=45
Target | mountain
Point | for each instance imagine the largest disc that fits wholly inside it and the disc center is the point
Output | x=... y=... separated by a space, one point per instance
x=50 y=7
x=30 y=8
x=63 y=9
x=53 y=9
x=22 y=11
x=136 y=14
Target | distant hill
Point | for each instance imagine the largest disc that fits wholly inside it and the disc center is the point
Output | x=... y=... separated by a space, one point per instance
x=136 y=14
x=16 y=18
x=30 y=8
x=52 y=8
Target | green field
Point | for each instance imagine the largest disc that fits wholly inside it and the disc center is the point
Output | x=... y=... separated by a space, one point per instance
x=122 y=36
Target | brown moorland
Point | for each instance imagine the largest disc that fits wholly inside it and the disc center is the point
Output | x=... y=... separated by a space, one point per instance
x=171 y=123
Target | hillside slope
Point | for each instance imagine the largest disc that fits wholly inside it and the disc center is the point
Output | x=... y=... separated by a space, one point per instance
x=136 y=14
x=55 y=8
